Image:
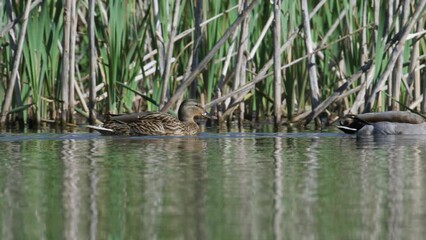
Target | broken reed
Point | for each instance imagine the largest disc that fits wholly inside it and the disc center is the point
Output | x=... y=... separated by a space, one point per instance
x=145 y=50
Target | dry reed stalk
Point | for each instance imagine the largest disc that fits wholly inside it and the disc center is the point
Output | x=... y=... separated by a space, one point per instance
x=312 y=70
x=261 y=37
x=103 y=11
x=92 y=63
x=358 y=104
x=413 y=71
x=158 y=37
x=223 y=75
x=336 y=94
x=395 y=54
x=82 y=100
x=423 y=106
x=277 y=63
x=73 y=36
x=317 y=8
x=187 y=81
x=65 y=62
x=416 y=102
x=198 y=39
x=262 y=73
x=367 y=79
x=241 y=65
x=16 y=61
x=204 y=23
x=15 y=21
x=397 y=71
x=359 y=101
x=333 y=28
x=363 y=95
x=417 y=79
x=350 y=92
x=17 y=87
x=169 y=53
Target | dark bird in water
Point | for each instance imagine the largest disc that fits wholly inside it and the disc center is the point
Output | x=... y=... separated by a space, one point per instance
x=155 y=123
x=384 y=123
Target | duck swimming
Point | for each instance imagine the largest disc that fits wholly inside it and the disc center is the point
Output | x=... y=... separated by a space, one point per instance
x=384 y=123
x=155 y=123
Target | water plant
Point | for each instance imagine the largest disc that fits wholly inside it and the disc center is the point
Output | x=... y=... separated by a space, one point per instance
x=331 y=57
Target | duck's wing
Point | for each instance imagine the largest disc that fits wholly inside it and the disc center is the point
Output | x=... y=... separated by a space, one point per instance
x=391 y=116
x=126 y=118
x=153 y=123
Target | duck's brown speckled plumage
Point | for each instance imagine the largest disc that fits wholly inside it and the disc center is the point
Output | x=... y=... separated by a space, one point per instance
x=155 y=123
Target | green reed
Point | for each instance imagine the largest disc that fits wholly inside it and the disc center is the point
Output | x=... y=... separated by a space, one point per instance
x=133 y=39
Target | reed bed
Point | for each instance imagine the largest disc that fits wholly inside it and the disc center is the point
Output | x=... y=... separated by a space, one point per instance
x=70 y=62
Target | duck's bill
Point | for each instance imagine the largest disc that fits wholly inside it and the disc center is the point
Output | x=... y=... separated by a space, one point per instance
x=207 y=115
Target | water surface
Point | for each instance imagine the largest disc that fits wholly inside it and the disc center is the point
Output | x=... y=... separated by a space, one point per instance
x=215 y=186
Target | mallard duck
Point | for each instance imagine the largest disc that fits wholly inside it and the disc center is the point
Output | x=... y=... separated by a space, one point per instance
x=384 y=123
x=155 y=123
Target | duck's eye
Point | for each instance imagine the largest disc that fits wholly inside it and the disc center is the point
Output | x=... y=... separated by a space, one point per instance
x=344 y=122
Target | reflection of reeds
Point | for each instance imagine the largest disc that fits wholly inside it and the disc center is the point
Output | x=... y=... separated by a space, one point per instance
x=239 y=186
x=145 y=54
x=72 y=193
x=278 y=188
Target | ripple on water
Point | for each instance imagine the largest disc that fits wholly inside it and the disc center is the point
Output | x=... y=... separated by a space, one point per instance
x=217 y=185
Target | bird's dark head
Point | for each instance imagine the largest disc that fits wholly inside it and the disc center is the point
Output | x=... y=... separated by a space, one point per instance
x=351 y=124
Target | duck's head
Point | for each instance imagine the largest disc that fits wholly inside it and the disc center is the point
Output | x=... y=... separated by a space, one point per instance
x=351 y=124
x=190 y=109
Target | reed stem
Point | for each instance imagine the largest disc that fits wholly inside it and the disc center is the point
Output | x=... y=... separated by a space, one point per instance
x=16 y=62
x=277 y=62
x=92 y=63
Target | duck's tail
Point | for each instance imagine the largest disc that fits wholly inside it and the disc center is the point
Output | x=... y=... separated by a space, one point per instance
x=102 y=130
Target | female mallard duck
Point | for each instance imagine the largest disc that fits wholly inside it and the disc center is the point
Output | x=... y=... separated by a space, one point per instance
x=155 y=123
x=384 y=123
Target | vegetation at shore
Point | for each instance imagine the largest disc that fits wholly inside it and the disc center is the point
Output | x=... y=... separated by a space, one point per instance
x=72 y=61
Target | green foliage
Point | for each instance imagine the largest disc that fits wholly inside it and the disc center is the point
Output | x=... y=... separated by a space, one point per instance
x=131 y=48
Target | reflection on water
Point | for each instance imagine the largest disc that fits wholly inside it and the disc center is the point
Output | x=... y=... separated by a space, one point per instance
x=215 y=186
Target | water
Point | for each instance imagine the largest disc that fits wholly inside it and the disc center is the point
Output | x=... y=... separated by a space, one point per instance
x=214 y=186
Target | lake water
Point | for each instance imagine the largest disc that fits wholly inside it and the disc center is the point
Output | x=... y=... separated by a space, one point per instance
x=235 y=185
